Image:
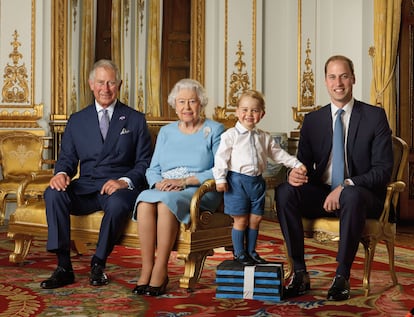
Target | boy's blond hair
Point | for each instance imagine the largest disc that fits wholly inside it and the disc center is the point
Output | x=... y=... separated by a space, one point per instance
x=255 y=95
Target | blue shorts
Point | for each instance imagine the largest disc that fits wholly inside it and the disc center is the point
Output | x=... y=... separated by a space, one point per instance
x=245 y=195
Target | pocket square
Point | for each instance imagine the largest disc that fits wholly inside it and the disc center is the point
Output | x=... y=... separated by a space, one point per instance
x=124 y=131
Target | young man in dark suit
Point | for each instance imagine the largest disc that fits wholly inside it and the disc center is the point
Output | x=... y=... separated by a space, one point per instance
x=366 y=170
x=111 y=144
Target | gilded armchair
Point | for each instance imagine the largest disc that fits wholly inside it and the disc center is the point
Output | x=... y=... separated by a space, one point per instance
x=195 y=241
x=21 y=153
x=382 y=229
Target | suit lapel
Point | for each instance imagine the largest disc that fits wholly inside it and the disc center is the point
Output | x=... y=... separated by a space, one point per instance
x=118 y=121
x=354 y=122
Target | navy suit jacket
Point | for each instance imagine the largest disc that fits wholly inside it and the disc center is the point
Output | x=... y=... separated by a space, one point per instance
x=369 y=146
x=126 y=151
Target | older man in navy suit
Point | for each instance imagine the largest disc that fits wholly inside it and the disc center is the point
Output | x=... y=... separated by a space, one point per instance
x=366 y=169
x=112 y=162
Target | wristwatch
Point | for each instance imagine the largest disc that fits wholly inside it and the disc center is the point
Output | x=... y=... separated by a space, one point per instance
x=346 y=183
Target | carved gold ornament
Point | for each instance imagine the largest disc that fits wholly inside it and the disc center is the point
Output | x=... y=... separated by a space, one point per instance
x=239 y=82
x=15 y=88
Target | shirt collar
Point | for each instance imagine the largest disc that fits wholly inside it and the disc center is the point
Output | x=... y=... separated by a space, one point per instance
x=241 y=129
x=347 y=108
x=110 y=108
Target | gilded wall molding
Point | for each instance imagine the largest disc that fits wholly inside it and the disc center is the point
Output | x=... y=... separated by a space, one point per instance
x=305 y=80
x=59 y=104
x=18 y=108
x=239 y=79
x=197 y=40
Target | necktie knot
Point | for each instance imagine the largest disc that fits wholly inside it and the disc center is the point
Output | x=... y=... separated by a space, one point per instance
x=104 y=123
x=338 y=151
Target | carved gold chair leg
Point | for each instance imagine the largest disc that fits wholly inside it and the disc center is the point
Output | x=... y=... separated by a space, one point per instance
x=369 y=247
x=79 y=247
x=22 y=244
x=194 y=263
x=3 y=204
x=390 y=248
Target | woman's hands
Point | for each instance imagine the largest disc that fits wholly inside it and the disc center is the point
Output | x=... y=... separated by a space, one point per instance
x=169 y=185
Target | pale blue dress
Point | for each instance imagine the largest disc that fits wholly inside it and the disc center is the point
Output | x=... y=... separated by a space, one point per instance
x=179 y=155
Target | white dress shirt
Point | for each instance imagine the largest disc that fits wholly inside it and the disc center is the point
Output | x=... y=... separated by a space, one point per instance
x=246 y=152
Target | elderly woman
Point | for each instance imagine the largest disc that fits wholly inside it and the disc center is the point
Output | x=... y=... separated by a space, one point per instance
x=183 y=159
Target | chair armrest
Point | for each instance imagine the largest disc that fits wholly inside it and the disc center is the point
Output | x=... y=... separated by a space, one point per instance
x=40 y=177
x=393 y=190
x=208 y=186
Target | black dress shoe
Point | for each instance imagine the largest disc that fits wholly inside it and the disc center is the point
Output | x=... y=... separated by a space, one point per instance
x=299 y=285
x=59 y=278
x=340 y=289
x=244 y=259
x=98 y=277
x=256 y=258
x=140 y=289
x=157 y=290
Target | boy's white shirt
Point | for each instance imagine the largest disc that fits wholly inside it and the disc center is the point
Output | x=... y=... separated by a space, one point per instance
x=246 y=152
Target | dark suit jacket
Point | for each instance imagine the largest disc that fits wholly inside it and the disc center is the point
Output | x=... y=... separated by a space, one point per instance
x=126 y=151
x=369 y=146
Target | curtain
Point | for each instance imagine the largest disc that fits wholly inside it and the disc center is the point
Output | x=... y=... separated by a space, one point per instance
x=153 y=60
x=87 y=51
x=387 y=16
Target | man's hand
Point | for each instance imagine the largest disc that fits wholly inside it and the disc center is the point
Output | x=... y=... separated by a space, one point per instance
x=59 y=182
x=332 y=200
x=112 y=186
x=297 y=176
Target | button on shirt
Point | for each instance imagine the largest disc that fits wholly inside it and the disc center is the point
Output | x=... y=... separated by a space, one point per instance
x=246 y=152
x=346 y=116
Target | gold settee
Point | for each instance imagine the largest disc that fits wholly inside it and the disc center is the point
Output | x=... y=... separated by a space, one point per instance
x=195 y=241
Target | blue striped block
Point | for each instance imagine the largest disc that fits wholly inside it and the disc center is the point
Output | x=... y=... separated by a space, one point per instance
x=260 y=282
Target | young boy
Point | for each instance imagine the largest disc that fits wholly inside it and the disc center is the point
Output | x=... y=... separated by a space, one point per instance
x=240 y=160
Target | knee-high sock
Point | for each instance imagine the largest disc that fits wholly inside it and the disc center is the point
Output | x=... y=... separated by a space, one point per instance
x=251 y=235
x=237 y=237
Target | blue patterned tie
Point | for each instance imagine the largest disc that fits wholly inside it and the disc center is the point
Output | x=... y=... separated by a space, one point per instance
x=338 y=151
x=104 y=123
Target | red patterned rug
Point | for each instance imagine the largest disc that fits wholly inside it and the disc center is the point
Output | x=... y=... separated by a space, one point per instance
x=20 y=294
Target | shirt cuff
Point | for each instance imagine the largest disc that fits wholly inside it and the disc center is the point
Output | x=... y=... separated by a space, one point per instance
x=128 y=181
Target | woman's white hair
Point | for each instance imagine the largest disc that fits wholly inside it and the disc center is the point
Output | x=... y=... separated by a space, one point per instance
x=188 y=83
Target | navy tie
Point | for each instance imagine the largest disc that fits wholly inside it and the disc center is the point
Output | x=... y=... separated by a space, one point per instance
x=338 y=151
x=104 y=123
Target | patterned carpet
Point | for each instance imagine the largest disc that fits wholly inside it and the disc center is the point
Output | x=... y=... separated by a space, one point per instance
x=20 y=294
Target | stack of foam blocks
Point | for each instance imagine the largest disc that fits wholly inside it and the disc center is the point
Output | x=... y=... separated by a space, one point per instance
x=261 y=281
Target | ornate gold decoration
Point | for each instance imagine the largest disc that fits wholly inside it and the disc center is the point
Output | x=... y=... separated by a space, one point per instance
x=140 y=101
x=15 y=89
x=126 y=15
x=21 y=119
x=308 y=82
x=197 y=40
x=306 y=91
x=74 y=13
x=74 y=98
x=59 y=105
x=23 y=113
x=239 y=82
x=125 y=96
x=141 y=7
